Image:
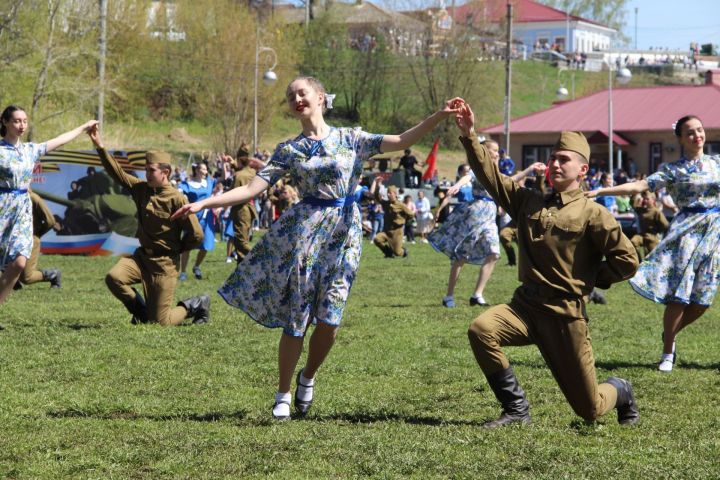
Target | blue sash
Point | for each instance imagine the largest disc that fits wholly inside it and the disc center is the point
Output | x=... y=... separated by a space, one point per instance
x=16 y=191
x=700 y=210
x=329 y=202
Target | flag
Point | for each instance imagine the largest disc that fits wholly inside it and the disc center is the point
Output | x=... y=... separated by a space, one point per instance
x=431 y=161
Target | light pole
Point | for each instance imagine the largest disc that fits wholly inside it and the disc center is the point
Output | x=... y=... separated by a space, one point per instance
x=269 y=78
x=623 y=76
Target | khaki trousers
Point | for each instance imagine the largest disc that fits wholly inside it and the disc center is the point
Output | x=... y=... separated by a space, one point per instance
x=30 y=273
x=648 y=240
x=507 y=235
x=242 y=226
x=563 y=342
x=390 y=242
x=158 y=276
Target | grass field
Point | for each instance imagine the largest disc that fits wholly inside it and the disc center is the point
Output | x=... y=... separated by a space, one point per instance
x=87 y=395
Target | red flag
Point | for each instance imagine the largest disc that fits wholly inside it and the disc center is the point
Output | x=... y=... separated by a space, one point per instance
x=431 y=161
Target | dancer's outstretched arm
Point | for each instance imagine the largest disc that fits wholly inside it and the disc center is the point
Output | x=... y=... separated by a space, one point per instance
x=391 y=143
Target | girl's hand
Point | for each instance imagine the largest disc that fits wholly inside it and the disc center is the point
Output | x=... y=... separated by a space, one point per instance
x=465 y=120
x=592 y=193
x=90 y=124
x=452 y=191
x=538 y=167
x=186 y=210
x=453 y=106
x=94 y=134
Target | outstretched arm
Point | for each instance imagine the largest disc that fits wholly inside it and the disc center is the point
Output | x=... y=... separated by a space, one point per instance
x=66 y=137
x=538 y=167
x=391 y=143
x=232 y=197
x=458 y=185
x=630 y=188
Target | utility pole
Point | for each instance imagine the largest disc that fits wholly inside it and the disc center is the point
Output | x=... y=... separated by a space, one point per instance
x=508 y=76
x=636 y=13
x=101 y=62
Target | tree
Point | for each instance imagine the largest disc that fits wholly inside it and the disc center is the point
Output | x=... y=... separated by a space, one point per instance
x=606 y=12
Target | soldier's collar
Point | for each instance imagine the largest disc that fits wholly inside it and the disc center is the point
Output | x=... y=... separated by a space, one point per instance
x=568 y=196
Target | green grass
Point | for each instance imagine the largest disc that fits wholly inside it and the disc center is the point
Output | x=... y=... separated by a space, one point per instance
x=87 y=395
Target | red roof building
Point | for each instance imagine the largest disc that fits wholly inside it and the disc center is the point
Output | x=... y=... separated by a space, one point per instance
x=642 y=124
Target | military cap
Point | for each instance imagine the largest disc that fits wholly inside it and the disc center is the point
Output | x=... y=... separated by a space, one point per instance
x=574 y=142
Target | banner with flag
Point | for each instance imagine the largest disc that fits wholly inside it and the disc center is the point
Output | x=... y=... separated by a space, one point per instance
x=431 y=162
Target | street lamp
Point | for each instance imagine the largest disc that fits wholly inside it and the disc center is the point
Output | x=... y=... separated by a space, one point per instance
x=623 y=76
x=269 y=78
x=562 y=92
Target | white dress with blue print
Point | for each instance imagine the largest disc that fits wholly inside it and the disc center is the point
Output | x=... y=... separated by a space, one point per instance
x=470 y=233
x=685 y=266
x=301 y=271
x=16 y=168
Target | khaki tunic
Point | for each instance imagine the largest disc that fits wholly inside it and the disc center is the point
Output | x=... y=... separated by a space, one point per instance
x=43 y=221
x=567 y=246
x=155 y=263
x=652 y=223
x=243 y=214
x=391 y=240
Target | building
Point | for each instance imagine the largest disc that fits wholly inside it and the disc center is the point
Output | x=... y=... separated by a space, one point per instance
x=538 y=26
x=642 y=124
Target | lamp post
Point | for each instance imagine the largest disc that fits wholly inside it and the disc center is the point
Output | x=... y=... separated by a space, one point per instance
x=623 y=76
x=562 y=92
x=269 y=78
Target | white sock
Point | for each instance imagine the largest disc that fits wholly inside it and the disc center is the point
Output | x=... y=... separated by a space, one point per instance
x=282 y=409
x=305 y=393
x=667 y=356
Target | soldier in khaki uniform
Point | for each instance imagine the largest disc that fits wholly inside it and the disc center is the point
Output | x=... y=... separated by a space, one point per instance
x=390 y=241
x=507 y=235
x=243 y=214
x=652 y=222
x=567 y=245
x=43 y=221
x=155 y=263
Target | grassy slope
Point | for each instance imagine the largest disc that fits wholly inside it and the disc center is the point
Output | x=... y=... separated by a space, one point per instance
x=86 y=395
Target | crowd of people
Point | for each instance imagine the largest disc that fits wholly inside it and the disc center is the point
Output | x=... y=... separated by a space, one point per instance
x=313 y=195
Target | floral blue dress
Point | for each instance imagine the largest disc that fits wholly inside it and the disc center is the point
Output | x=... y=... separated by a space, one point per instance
x=301 y=271
x=16 y=167
x=196 y=191
x=685 y=266
x=470 y=233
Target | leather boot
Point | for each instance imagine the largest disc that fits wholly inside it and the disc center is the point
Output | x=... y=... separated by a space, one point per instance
x=138 y=309
x=510 y=251
x=53 y=276
x=198 y=308
x=515 y=407
x=627 y=410
x=597 y=297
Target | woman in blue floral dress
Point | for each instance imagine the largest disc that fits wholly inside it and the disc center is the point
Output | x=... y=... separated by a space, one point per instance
x=17 y=161
x=683 y=271
x=199 y=187
x=301 y=271
x=470 y=234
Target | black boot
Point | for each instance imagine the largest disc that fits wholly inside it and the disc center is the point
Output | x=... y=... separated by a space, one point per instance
x=512 y=261
x=138 y=309
x=515 y=408
x=627 y=410
x=53 y=276
x=597 y=297
x=198 y=308
x=18 y=285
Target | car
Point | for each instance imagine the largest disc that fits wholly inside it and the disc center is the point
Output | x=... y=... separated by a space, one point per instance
x=549 y=56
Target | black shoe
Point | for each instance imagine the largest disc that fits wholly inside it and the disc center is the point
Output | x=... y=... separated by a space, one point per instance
x=405 y=254
x=302 y=406
x=476 y=301
x=512 y=261
x=53 y=276
x=198 y=308
x=138 y=310
x=515 y=407
x=627 y=410
x=18 y=285
x=597 y=297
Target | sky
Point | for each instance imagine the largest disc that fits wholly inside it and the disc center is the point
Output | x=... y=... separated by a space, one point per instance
x=673 y=23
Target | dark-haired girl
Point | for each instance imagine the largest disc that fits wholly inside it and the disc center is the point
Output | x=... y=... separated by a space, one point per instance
x=17 y=160
x=301 y=271
x=682 y=272
x=199 y=187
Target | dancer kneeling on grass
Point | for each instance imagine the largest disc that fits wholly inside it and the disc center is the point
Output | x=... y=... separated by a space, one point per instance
x=155 y=263
x=470 y=234
x=681 y=272
x=17 y=161
x=302 y=269
x=562 y=239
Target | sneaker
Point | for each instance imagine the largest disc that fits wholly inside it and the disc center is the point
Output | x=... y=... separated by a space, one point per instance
x=229 y=260
x=448 y=302
x=666 y=363
x=182 y=277
x=474 y=300
x=424 y=240
x=197 y=272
